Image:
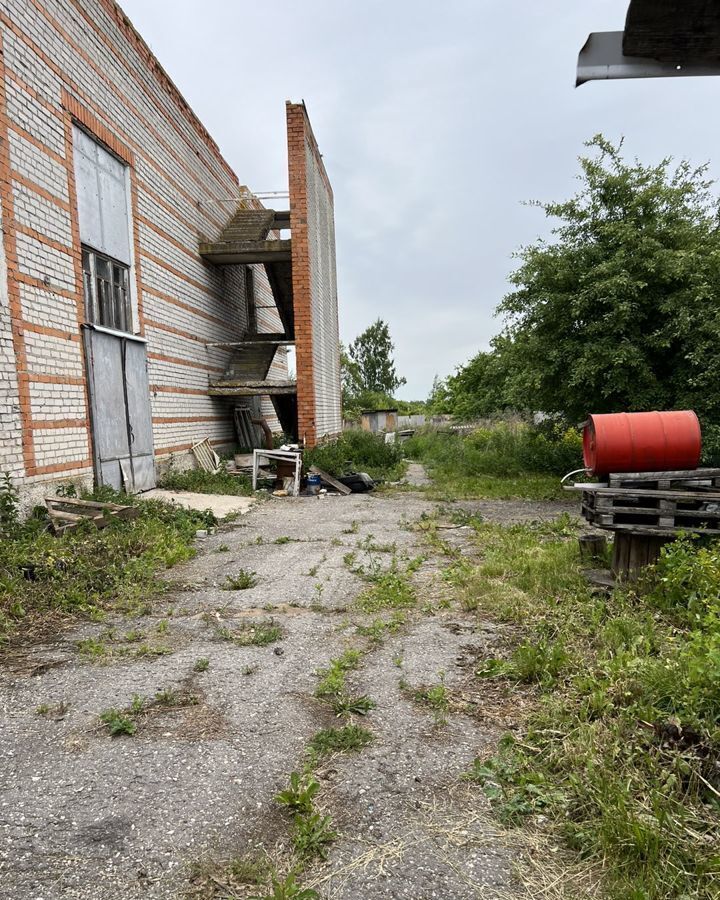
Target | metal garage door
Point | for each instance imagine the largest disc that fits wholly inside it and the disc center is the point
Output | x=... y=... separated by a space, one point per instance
x=120 y=409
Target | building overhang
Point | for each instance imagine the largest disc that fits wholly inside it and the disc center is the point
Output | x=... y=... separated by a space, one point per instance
x=239 y=253
x=245 y=388
x=662 y=39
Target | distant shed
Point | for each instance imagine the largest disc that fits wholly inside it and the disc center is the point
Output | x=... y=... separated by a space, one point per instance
x=379 y=420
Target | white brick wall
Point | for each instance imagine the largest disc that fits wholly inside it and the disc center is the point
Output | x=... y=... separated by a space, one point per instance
x=323 y=286
x=173 y=162
x=11 y=459
x=43 y=307
x=33 y=211
x=48 y=355
x=54 y=402
x=38 y=260
x=68 y=444
x=30 y=162
x=34 y=118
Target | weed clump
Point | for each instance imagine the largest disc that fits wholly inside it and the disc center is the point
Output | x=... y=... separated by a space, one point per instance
x=85 y=572
x=252 y=634
x=299 y=796
x=348 y=739
x=332 y=678
x=390 y=590
x=241 y=581
x=117 y=722
x=359 y=451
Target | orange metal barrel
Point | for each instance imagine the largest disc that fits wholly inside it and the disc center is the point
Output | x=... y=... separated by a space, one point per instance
x=642 y=442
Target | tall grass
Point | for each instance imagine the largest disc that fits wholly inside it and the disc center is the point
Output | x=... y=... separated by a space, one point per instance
x=500 y=460
x=86 y=571
x=359 y=451
x=622 y=754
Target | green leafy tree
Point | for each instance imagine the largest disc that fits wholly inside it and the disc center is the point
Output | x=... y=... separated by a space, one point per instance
x=478 y=389
x=621 y=310
x=371 y=367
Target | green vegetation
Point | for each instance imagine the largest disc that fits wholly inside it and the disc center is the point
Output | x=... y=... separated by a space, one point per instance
x=288 y=888
x=437 y=698
x=109 y=646
x=198 y=481
x=117 y=722
x=348 y=739
x=377 y=629
x=125 y=721
x=311 y=835
x=389 y=590
x=359 y=451
x=618 y=311
x=331 y=681
x=500 y=461
x=233 y=878
x=87 y=572
x=202 y=664
x=299 y=796
x=252 y=634
x=345 y=705
x=621 y=751
x=242 y=581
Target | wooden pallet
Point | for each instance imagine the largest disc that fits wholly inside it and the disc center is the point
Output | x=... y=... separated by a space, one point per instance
x=66 y=513
x=654 y=503
x=695 y=479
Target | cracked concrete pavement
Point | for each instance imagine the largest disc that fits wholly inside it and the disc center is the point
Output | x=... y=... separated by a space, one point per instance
x=85 y=815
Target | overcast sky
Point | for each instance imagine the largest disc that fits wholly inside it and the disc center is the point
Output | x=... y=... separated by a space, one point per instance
x=436 y=121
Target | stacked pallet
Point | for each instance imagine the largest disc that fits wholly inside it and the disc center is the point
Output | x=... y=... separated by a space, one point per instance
x=655 y=503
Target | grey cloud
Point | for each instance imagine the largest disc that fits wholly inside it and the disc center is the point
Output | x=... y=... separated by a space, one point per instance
x=436 y=122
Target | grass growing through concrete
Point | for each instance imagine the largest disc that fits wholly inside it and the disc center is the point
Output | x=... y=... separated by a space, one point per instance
x=435 y=697
x=241 y=581
x=331 y=679
x=390 y=590
x=622 y=753
x=346 y=739
x=252 y=634
x=86 y=572
x=197 y=481
x=125 y=721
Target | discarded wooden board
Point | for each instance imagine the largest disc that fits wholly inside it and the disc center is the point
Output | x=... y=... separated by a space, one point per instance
x=333 y=482
x=66 y=513
x=206 y=457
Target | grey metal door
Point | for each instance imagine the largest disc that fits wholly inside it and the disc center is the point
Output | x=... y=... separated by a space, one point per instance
x=120 y=410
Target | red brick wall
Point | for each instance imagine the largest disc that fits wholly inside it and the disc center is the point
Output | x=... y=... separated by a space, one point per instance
x=314 y=283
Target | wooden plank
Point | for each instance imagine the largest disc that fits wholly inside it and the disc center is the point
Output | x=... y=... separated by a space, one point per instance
x=74 y=501
x=641 y=492
x=333 y=482
x=674 y=475
x=654 y=529
x=71 y=517
x=652 y=511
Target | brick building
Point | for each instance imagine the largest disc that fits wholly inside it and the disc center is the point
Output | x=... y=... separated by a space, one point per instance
x=144 y=293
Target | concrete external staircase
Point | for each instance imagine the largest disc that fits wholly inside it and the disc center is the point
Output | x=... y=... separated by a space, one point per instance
x=244 y=241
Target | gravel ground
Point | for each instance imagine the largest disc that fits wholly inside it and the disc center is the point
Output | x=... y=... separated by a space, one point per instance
x=85 y=815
